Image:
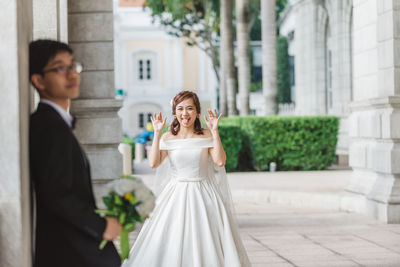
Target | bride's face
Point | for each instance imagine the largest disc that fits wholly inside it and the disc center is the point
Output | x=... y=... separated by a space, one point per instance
x=186 y=113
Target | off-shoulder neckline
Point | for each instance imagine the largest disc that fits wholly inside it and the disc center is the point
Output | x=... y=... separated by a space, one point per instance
x=183 y=139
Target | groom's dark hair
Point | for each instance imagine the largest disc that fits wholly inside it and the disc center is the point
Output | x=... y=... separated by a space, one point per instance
x=42 y=51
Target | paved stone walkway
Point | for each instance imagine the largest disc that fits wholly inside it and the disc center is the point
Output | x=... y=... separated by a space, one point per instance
x=276 y=235
x=292 y=219
x=283 y=236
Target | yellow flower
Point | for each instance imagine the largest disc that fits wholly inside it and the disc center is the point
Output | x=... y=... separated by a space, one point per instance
x=128 y=196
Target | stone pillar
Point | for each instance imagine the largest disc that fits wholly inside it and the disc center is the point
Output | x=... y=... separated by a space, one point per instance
x=16 y=32
x=99 y=129
x=375 y=118
x=340 y=22
x=50 y=20
x=310 y=20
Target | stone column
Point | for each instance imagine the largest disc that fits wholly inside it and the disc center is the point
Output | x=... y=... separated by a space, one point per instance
x=50 y=20
x=309 y=69
x=16 y=32
x=99 y=129
x=342 y=73
x=375 y=118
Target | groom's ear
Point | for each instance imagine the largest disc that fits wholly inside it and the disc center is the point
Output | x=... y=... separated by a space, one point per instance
x=38 y=82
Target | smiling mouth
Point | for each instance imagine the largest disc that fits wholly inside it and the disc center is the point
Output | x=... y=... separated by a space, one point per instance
x=185 y=120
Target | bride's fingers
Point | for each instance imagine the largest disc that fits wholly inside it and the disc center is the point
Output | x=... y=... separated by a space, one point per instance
x=216 y=114
x=205 y=118
x=210 y=113
x=220 y=115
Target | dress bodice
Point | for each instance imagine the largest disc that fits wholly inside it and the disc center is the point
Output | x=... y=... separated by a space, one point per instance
x=188 y=158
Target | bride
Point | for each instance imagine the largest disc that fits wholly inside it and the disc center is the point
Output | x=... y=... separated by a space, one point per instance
x=192 y=224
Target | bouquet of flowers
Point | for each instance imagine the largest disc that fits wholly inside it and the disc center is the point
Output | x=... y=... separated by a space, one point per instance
x=131 y=201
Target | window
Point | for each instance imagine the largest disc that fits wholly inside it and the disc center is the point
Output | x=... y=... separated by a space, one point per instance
x=140 y=69
x=257 y=74
x=144 y=67
x=148 y=68
x=144 y=70
x=291 y=36
x=291 y=71
x=141 y=120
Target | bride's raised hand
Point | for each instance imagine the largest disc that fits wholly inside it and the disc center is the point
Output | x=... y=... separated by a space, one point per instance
x=158 y=122
x=212 y=120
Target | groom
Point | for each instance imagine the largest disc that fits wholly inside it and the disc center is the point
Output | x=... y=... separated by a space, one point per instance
x=68 y=231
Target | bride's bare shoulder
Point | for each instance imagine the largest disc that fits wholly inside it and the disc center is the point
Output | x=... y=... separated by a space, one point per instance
x=166 y=136
x=207 y=133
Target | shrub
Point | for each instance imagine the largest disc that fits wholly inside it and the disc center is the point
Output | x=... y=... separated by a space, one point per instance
x=294 y=143
x=231 y=138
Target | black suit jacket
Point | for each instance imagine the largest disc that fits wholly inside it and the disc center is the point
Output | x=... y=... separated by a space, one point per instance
x=68 y=231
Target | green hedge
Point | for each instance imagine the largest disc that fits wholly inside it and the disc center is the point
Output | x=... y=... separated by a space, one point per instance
x=294 y=143
x=231 y=138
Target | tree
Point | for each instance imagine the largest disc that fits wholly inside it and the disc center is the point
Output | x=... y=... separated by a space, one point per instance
x=198 y=22
x=227 y=58
x=280 y=6
x=195 y=20
x=268 y=34
x=243 y=44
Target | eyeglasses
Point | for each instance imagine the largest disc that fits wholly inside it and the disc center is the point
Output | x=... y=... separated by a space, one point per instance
x=78 y=67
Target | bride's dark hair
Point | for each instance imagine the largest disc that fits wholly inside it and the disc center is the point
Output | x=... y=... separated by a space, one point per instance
x=175 y=125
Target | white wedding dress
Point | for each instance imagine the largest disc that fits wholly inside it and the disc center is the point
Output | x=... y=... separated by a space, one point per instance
x=192 y=224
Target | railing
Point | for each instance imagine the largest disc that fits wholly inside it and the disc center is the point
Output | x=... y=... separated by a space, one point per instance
x=286 y=109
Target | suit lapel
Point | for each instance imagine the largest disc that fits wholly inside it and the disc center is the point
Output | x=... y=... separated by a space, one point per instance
x=85 y=162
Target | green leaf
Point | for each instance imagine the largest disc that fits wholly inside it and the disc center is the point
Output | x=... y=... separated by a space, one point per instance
x=124 y=244
x=106 y=212
x=121 y=218
x=133 y=200
x=130 y=227
x=103 y=244
x=117 y=200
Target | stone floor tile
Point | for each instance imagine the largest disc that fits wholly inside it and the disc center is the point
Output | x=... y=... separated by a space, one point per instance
x=280 y=264
x=342 y=263
x=317 y=258
x=380 y=263
x=267 y=260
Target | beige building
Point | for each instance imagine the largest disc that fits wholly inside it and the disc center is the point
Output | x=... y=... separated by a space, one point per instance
x=152 y=67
